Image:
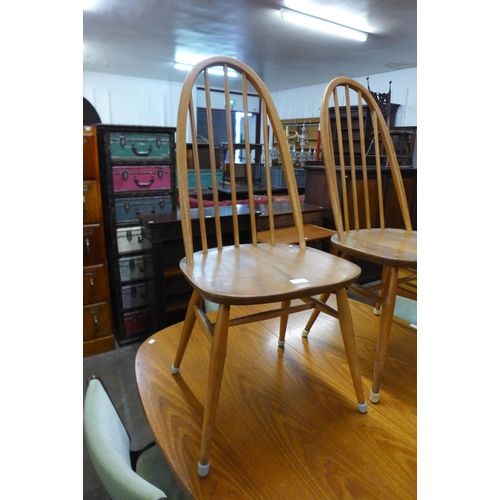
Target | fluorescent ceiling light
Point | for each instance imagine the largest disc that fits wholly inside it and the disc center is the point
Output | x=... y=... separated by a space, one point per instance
x=323 y=25
x=215 y=70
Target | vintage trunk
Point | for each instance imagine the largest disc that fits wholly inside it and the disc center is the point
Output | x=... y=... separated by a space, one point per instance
x=128 y=209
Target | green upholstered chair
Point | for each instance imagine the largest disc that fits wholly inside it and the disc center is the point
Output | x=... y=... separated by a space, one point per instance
x=126 y=474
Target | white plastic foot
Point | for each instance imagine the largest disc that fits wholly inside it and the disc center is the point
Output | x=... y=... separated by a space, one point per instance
x=281 y=343
x=374 y=398
x=203 y=469
x=175 y=370
x=363 y=408
x=377 y=312
x=305 y=333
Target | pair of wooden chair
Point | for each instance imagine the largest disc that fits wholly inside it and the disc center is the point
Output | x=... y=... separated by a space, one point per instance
x=244 y=272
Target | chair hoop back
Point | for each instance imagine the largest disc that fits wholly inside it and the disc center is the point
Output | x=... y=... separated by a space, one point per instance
x=255 y=99
x=344 y=153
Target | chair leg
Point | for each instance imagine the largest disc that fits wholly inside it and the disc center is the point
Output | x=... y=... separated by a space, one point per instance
x=385 y=279
x=187 y=329
x=384 y=331
x=314 y=315
x=283 y=323
x=347 y=329
x=215 y=371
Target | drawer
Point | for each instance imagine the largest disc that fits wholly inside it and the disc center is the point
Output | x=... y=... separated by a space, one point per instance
x=134 y=296
x=131 y=268
x=93 y=245
x=97 y=321
x=139 y=145
x=91 y=202
x=135 y=322
x=129 y=239
x=141 y=178
x=90 y=162
x=128 y=209
x=95 y=284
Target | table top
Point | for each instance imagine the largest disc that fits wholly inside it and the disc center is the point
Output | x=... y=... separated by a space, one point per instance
x=287 y=425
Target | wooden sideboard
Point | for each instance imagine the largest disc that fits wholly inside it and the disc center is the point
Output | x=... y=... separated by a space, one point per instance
x=167 y=291
x=316 y=192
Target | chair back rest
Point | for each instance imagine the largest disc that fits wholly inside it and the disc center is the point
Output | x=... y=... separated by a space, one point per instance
x=108 y=444
x=250 y=96
x=348 y=111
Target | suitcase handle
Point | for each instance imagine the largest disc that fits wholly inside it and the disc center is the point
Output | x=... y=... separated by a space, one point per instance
x=144 y=184
x=141 y=153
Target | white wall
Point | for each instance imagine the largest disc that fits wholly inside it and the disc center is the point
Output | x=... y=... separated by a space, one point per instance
x=124 y=100
x=304 y=102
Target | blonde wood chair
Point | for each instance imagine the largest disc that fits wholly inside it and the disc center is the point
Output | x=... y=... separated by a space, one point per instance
x=357 y=199
x=235 y=273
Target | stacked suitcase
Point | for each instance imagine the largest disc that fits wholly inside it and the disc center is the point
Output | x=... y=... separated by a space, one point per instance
x=138 y=178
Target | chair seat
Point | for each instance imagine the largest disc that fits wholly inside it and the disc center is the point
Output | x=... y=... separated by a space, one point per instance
x=388 y=247
x=266 y=273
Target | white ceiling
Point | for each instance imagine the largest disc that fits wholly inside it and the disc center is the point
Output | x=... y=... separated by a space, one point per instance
x=144 y=37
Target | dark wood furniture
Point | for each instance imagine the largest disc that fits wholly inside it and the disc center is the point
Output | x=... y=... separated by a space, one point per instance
x=137 y=177
x=239 y=162
x=97 y=324
x=167 y=290
x=286 y=427
x=316 y=192
x=360 y=133
x=287 y=277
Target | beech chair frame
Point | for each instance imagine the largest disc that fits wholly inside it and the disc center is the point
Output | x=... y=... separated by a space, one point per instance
x=248 y=273
x=361 y=233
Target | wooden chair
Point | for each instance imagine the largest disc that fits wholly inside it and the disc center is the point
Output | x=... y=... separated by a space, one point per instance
x=357 y=200
x=251 y=273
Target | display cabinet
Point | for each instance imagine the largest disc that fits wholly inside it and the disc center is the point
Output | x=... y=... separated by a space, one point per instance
x=137 y=167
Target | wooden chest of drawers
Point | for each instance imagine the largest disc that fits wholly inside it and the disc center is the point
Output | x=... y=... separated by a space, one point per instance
x=97 y=325
x=137 y=166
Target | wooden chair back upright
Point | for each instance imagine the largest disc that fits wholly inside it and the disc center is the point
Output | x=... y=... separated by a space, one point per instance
x=356 y=189
x=247 y=84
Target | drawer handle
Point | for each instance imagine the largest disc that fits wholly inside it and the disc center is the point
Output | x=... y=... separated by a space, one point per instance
x=84 y=208
x=129 y=235
x=87 y=246
x=96 y=324
x=160 y=173
x=144 y=184
x=141 y=153
x=92 y=287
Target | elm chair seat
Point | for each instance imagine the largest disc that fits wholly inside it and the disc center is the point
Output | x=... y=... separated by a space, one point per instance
x=108 y=444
